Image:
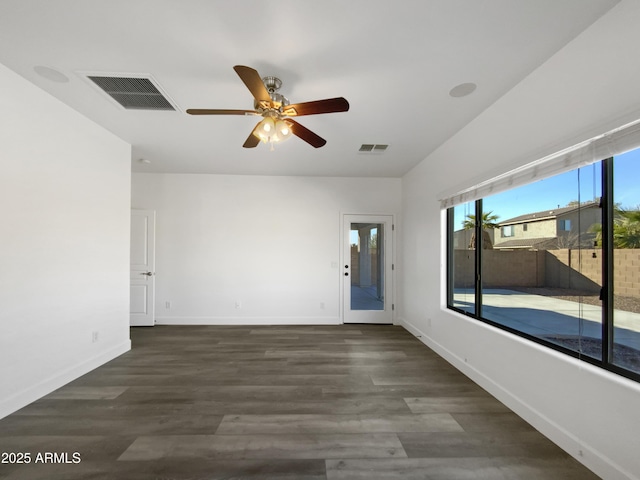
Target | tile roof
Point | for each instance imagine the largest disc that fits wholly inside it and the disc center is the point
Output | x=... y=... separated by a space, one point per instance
x=547 y=214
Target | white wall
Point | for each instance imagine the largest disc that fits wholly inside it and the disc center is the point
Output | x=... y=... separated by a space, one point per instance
x=270 y=243
x=587 y=88
x=64 y=232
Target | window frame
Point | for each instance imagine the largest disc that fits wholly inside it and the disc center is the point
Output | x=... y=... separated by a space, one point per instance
x=565 y=225
x=506 y=228
x=606 y=360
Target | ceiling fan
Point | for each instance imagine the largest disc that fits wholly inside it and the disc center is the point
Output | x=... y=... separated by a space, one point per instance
x=277 y=124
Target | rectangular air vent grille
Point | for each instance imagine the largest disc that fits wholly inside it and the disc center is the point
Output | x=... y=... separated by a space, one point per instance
x=372 y=148
x=133 y=93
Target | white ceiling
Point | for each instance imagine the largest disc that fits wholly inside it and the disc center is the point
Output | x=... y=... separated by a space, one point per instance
x=395 y=62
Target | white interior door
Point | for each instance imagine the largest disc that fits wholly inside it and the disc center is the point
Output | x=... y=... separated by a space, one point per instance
x=143 y=268
x=367 y=269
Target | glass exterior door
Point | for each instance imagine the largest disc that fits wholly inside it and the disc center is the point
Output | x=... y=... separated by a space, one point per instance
x=367 y=267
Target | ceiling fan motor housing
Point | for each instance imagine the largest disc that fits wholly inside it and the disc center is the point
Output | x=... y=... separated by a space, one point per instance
x=273 y=84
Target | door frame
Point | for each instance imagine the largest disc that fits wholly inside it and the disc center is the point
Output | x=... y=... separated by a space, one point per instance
x=346 y=314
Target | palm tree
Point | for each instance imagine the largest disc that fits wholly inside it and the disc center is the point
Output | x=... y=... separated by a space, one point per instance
x=488 y=223
x=631 y=215
x=626 y=228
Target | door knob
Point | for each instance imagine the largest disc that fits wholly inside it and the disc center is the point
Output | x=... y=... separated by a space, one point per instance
x=346 y=274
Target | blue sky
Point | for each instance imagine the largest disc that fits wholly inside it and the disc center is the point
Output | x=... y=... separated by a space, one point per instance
x=558 y=191
x=626 y=177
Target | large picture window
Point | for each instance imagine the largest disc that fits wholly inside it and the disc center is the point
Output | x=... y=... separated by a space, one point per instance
x=556 y=261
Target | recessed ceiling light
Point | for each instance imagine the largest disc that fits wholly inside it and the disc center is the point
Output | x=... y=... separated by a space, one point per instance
x=51 y=74
x=463 y=90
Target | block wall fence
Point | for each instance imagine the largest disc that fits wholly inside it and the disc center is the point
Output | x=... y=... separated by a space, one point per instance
x=577 y=269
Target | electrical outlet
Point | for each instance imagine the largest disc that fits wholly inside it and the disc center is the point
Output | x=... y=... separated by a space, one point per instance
x=94 y=337
x=238 y=304
x=321 y=305
x=167 y=305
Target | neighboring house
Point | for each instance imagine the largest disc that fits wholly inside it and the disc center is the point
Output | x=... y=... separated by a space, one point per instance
x=566 y=227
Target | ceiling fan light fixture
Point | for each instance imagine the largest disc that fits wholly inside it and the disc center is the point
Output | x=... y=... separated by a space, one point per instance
x=266 y=129
x=283 y=129
x=273 y=130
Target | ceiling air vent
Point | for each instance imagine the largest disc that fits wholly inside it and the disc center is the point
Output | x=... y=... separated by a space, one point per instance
x=133 y=93
x=372 y=148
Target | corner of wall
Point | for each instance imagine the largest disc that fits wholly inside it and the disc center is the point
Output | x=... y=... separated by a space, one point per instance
x=48 y=385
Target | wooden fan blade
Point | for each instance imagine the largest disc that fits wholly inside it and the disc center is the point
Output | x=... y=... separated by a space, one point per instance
x=252 y=80
x=208 y=111
x=305 y=134
x=329 y=105
x=252 y=140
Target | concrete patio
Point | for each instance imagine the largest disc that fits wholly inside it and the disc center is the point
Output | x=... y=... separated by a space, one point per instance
x=365 y=298
x=545 y=317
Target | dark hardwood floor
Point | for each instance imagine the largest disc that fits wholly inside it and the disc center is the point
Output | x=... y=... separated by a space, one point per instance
x=297 y=403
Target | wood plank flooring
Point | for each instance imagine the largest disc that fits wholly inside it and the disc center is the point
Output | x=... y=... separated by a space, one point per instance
x=290 y=403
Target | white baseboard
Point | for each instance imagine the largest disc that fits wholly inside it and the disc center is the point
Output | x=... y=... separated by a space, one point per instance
x=248 y=321
x=48 y=385
x=577 y=448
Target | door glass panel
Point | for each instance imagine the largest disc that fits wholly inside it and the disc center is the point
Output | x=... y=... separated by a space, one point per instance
x=626 y=258
x=367 y=266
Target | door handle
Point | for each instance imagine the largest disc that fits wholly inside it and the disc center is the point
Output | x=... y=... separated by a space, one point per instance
x=346 y=274
x=148 y=274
